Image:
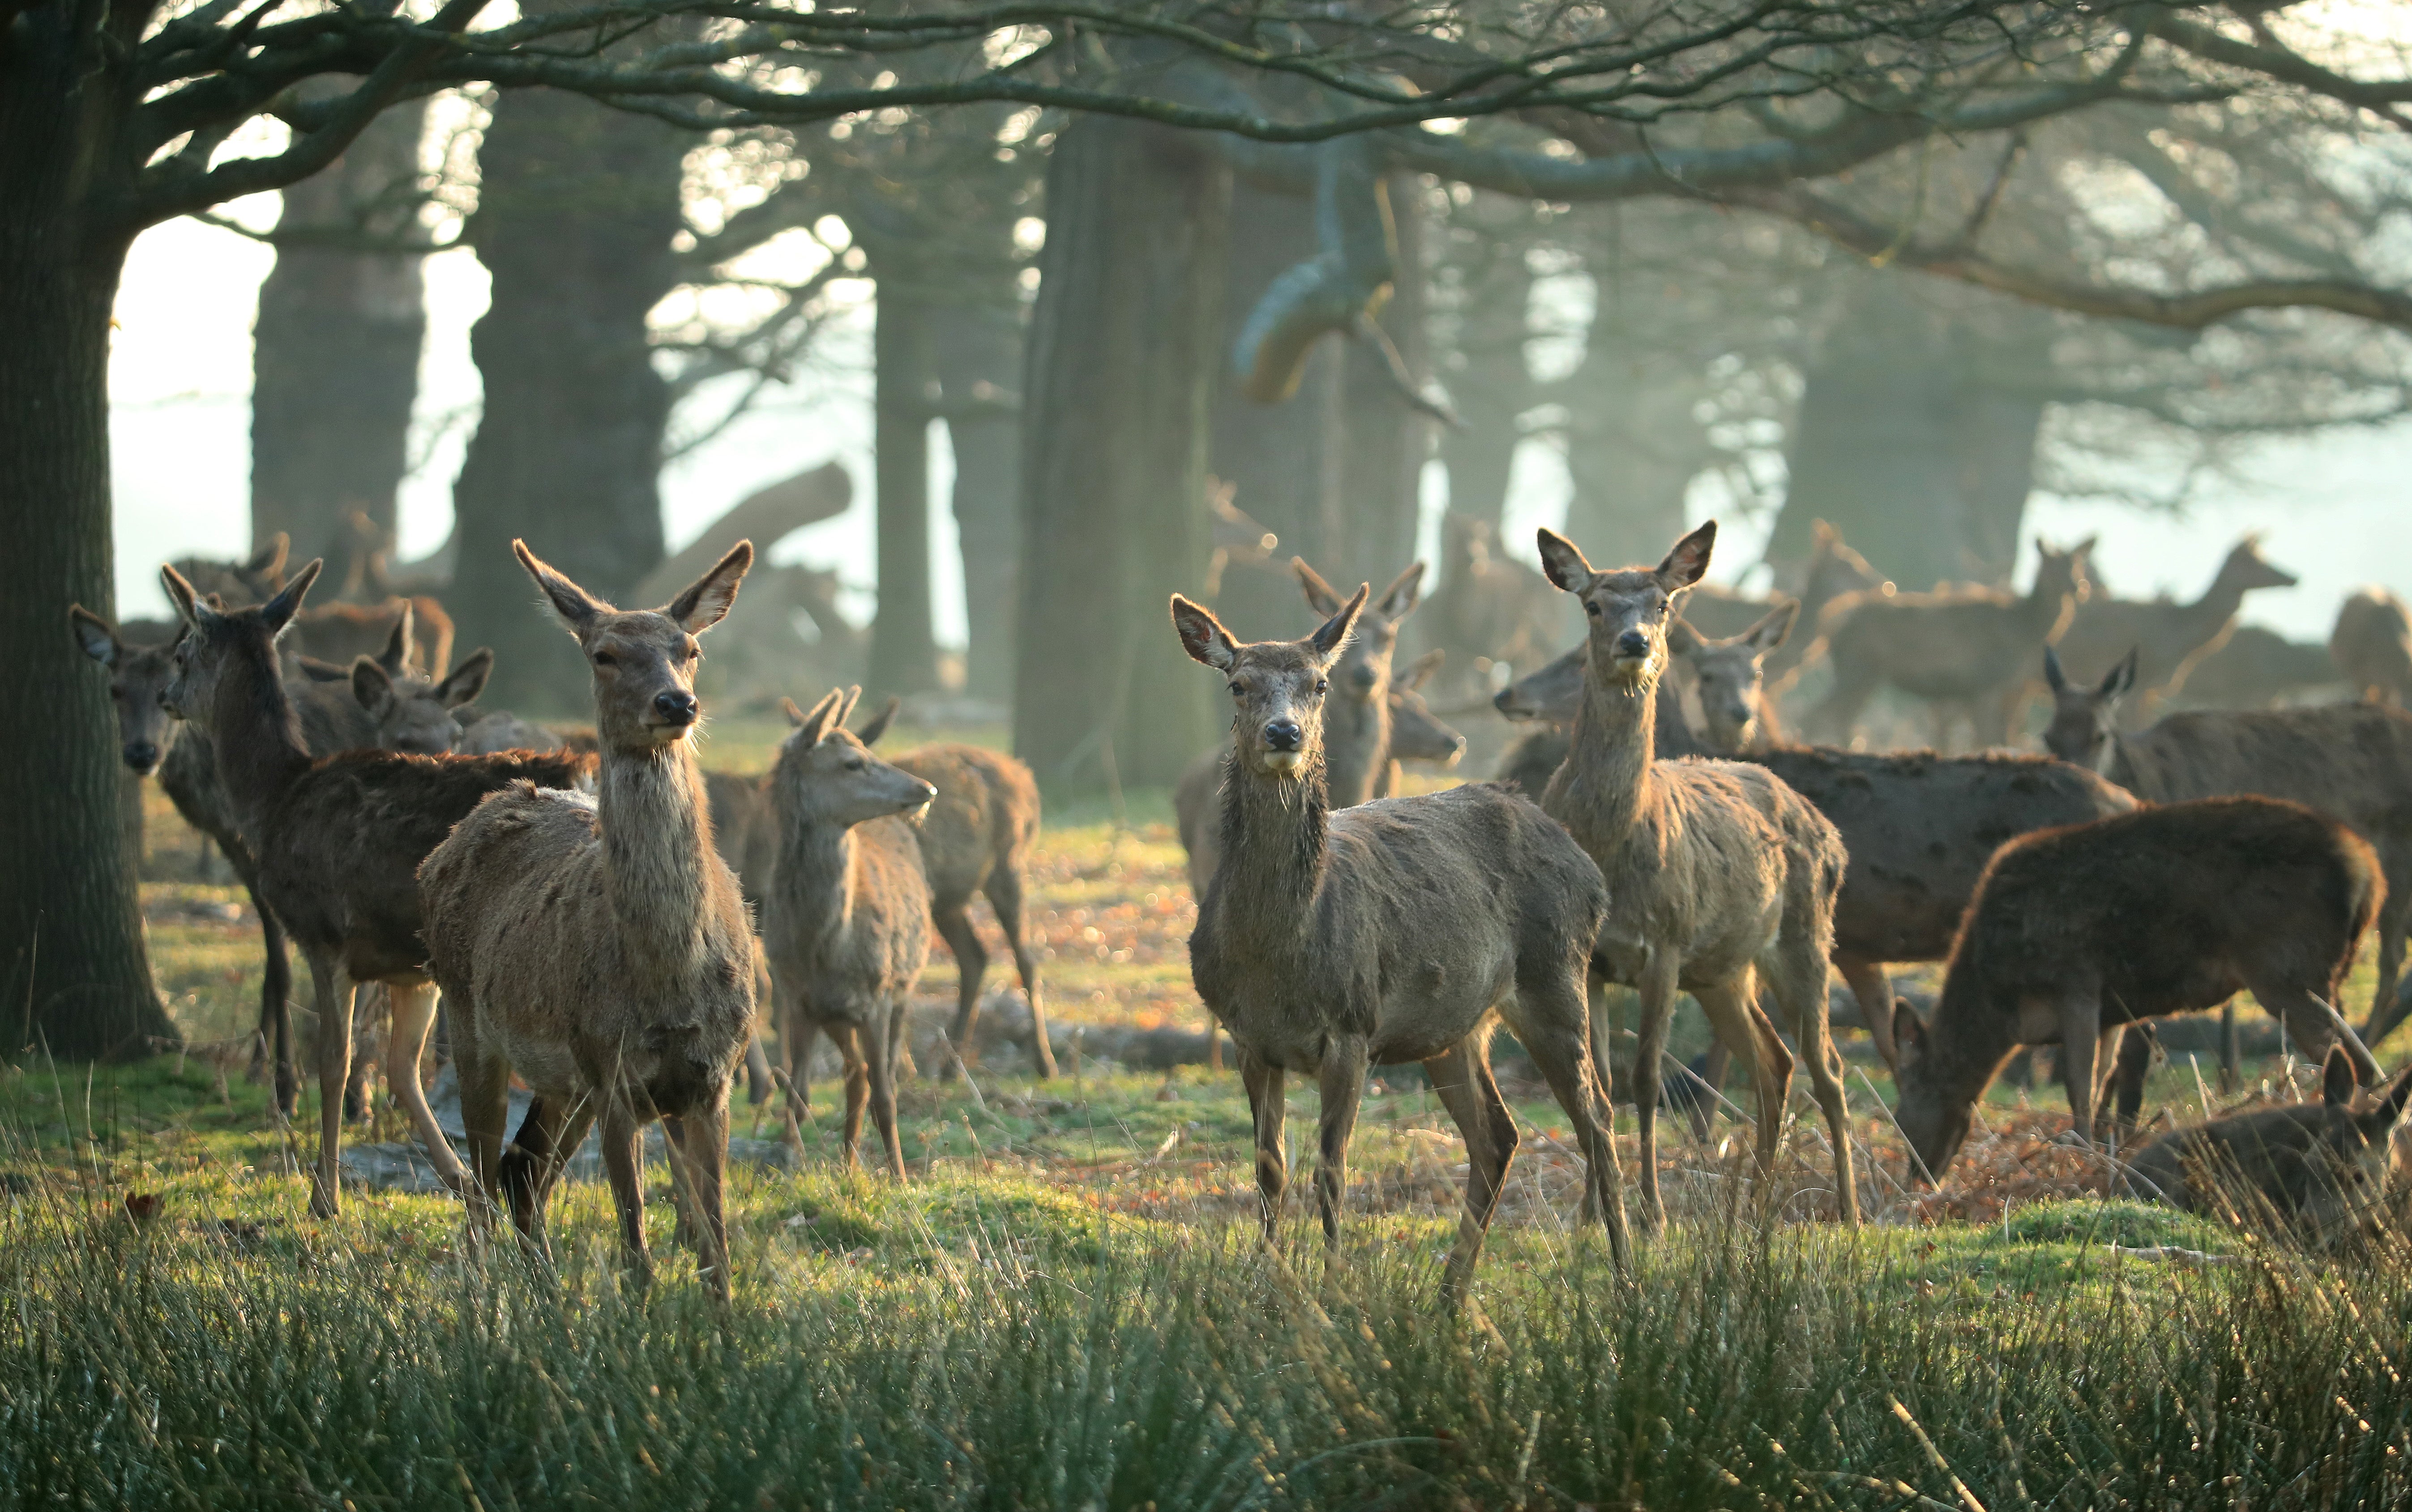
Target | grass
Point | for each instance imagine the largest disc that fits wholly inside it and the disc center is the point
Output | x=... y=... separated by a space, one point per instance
x=1067 y=1306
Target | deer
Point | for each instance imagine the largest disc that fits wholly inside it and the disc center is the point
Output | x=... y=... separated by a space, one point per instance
x=333 y=633
x=2076 y=932
x=1965 y=647
x=1402 y=930
x=847 y=923
x=1730 y=672
x=2167 y=639
x=1490 y=609
x=1723 y=874
x=2372 y=646
x=335 y=842
x=1550 y=698
x=2260 y=668
x=1832 y=569
x=2320 y=1170
x=599 y=947
x=1416 y=734
x=2352 y=762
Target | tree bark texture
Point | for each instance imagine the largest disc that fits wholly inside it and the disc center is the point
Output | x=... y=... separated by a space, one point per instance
x=335 y=352
x=574 y=221
x=1124 y=348
x=979 y=371
x=904 y=648
x=74 y=976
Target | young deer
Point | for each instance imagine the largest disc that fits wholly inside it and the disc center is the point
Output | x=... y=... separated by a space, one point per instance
x=847 y=925
x=599 y=947
x=1721 y=873
x=337 y=842
x=1401 y=929
x=2075 y=932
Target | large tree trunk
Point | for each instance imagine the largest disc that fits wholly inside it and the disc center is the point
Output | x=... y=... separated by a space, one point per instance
x=1124 y=350
x=980 y=370
x=578 y=205
x=903 y=652
x=1488 y=382
x=336 y=354
x=74 y=978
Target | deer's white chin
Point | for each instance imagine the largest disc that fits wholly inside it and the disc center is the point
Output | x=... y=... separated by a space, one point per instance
x=1283 y=763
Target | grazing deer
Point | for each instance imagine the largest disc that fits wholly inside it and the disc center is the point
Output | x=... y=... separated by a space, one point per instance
x=1964 y=647
x=1721 y=873
x=1401 y=929
x=2075 y=932
x=2321 y=1169
x=1731 y=675
x=2372 y=646
x=336 y=842
x=2167 y=639
x=846 y=924
x=2352 y=762
x=599 y=947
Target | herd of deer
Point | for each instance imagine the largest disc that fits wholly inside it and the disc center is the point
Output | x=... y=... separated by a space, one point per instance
x=602 y=917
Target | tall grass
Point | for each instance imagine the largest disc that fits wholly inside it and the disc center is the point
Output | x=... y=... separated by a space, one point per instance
x=1000 y=1367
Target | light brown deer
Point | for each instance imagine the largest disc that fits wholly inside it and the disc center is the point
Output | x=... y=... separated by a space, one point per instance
x=337 y=841
x=2167 y=639
x=2372 y=646
x=1402 y=930
x=1730 y=674
x=2075 y=932
x=1722 y=874
x=846 y=924
x=2352 y=762
x=1964 y=649
x=598 y=948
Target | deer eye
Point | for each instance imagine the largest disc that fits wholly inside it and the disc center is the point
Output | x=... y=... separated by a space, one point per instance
x=1235 y=690
x=1590 y=608
x=1321 y=683
x=854 y=763
x=604 y=658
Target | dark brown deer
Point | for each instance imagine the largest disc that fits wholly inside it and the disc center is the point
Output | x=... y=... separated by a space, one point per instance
x=1402 y=930
x=598 y=948
x=1416 y=734
x=337 y=841
x=2352 y=762
x=846 y=924
x=2076 y=932
x=2319 y=1170
x=2372 y=646
x=2167 y=639
x=1722 y=874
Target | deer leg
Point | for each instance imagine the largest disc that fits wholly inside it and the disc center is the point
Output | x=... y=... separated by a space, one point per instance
x=333 y=991
x=485 y=1107
x=275 y=1005
x=971 y=965
x=1004 y=895
x=534 y=1148
x=879 y=1046
x=369 y=1000
x=1873 y=988
x=1854 y=685
x=700 y=1143
x=1548 y=1020
x=1733 y=1012
x=857 y=1072
x=1657 y=990
x=1800 y=984
x=1342 y=1082
x=624 y=1162
x=2081 y=1035
x=414 y=1015
x=759 y=1088
x=1470 y=1100
x=2134 y=1063
x=1269 y=1103
x=796 y=1035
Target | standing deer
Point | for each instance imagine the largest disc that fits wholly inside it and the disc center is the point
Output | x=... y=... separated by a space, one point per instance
x=2167 y=639
x=1721 y=873
x=847 y=925
x=337 y=842
x=2075 y=932
x=599 y=947
x=2372 y=646
x=1401 y=929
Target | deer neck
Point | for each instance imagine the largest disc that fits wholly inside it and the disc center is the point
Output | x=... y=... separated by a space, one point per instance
x=2048 y=607
x=816 y=875
x=257 y=734
x=1273 y=834
x=1607 y=774
x=1356 y=740
x=2219 y=604
x=657 y=852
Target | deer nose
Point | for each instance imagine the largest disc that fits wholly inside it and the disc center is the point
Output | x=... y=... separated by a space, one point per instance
x=141 y=755
x=1633 y=643
x=1285 y=735
x=1361 y=679
x=676 y=707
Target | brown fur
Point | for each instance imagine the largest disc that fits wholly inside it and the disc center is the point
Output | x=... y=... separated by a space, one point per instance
x=1416 y=734
x=1730 y=673
x=599 y=947
x=339 y=632
x=2260 y=668
x=1401 y=929
x=1721 y=873
x=2319 y=1171
x=1551 y=698
x=846 y=924
x=2372 y=646
x=2169 y=639
x=2075 y=932
x=1964 y=647
x=1358 y=720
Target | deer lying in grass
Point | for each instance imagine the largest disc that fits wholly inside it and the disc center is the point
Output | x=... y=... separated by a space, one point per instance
x=2372 y=646
x=1401 y=929
x=2075 y=932
x=2167 y=639
x=337 y=842
x=599 y=947
x=2320 y=1170
x=2352 y=762
x=846 y=924
x=1722 y=874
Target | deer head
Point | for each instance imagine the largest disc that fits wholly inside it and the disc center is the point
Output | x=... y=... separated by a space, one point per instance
x=2084 y=720
x=1418 y=734
x=2060 y=573
x=2245 y=569
x=643 y=660
x=1278 y=687
x=1362 y=674
x=254 y=579
x=215 y=639
x=137 y=682
x=1630 y=609
x=827 y=773
x=413 y=714
x=1732 y=672
x=1933 y=1122
x=1552 y=694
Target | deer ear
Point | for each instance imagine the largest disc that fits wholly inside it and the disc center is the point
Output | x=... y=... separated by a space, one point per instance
x=1563 y=560
x=1333 y=635
x=268 y=560
x=1320 y=596
x=1688 y=562
x=468 y=680
x=1203 y=636
x=846 y=705
x=2391 y=1107
x=92 y=634
x=2120 y=680
x=878 y=725
x=709 y=596
x=1908 y=1033
x=396 y=656
x=1405 y=592
x=372 y=686
x=1419 y=671
x=278 y=612
x=795 y=715
x=1775 y=627
x=811 y=726
x=188 y=603
x=2337 y=1086
x=2054 y=677
x=577 y=608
